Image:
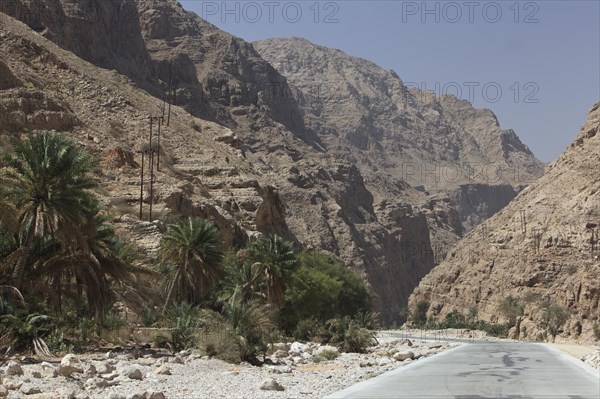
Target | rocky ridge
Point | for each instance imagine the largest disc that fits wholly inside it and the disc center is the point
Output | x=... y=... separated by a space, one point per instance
x=542 y=249
x=366 y=115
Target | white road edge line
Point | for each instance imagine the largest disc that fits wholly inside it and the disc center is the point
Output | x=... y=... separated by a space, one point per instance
x=375 y=380
x=572 y=359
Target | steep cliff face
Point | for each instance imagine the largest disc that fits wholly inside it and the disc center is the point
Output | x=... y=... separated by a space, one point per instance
x=542 y=248
x=476 y=203
x=365 y=115
x=103 y=32
x=218 y=76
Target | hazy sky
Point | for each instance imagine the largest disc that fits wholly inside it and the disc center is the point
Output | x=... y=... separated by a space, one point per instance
x=536 y=64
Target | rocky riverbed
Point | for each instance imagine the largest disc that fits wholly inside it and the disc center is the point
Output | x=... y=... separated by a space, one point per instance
x=296 y=370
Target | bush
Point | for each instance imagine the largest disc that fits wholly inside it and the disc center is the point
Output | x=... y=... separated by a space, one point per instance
x=511 y=309
x=322 y=288
x=306 y=329
x=419 y=315
x=326 y=355
x=553 y=318
x=57 y=344
x=148 y=316
x=183 y=327
x=347 y=335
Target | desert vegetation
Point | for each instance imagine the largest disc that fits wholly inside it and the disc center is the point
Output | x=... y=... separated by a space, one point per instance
x=69 y=280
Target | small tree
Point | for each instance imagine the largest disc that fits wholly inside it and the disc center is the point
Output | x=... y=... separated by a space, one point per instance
x=511 y=309
x=419 y=315
x=553 y=318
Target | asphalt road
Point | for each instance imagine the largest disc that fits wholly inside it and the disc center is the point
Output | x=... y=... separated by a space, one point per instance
x=486 y=370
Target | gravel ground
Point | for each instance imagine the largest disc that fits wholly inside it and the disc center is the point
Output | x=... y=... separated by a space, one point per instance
x=297 y=375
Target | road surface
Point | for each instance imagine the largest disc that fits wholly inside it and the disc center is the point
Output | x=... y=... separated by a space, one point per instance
x=486 y=370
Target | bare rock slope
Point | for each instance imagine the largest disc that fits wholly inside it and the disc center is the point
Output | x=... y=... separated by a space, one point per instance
x=366 y=115
x=542 y=249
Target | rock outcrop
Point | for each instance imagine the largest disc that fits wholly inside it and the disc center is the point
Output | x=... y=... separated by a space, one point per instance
x=542 y=249
x=366 y=115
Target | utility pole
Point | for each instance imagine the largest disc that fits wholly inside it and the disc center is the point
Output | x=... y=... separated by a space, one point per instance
x=142 y=185
x=160 y=122
x=523 y=221
x=151 y=180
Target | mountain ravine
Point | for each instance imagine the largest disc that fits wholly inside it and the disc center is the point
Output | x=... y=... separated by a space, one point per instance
x=244 y=155
x=542 y=249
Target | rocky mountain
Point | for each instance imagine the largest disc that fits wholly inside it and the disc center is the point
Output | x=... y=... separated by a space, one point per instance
x=542 y=249
x=366 y=115
x=239 y=150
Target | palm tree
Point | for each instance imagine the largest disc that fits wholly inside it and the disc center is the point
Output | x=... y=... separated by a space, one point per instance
x=191 y=254
x=278 y=261
x=92 y=260
x=48 y=183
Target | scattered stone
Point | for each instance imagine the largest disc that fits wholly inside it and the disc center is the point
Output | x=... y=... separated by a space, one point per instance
x=110 y=355
x=133 y=373
x=154 y=395
x=401 y=356
x=280 y=354
x=29 y=389
x=177 y=360
x=3 y=391
x=69 y=365
x=163 y=370
x=271 y=385
x=13 y=368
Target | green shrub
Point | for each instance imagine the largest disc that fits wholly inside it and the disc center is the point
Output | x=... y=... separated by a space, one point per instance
x=183 y=327
x=511 y=309
x=113 y=322
x=85 y=333
x=553 y=318
x=306 y=329
x=322 y=288
x=326 y=355
x=419 y=314
x=347 y=335
x=148 y=316
x=57 y=344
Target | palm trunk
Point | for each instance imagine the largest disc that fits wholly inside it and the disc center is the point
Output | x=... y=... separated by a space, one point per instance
x=19 y=271
x=172 y=290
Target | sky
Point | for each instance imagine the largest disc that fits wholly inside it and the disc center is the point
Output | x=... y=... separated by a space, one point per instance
x=535 y=64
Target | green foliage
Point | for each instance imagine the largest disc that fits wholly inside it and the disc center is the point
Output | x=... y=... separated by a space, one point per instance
x=419 y=314
x=346 y=333
x=306 y=329
x=183 y=327
x=57 y=343
x=322 y=289
x=85 y=333
x=113 y=322
x=455 y=319
x=553 y=318
x=191 y=254
x=274 y=258
x=326 y=355
x=511 y=309
x=148 y=316
x=20 y=331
